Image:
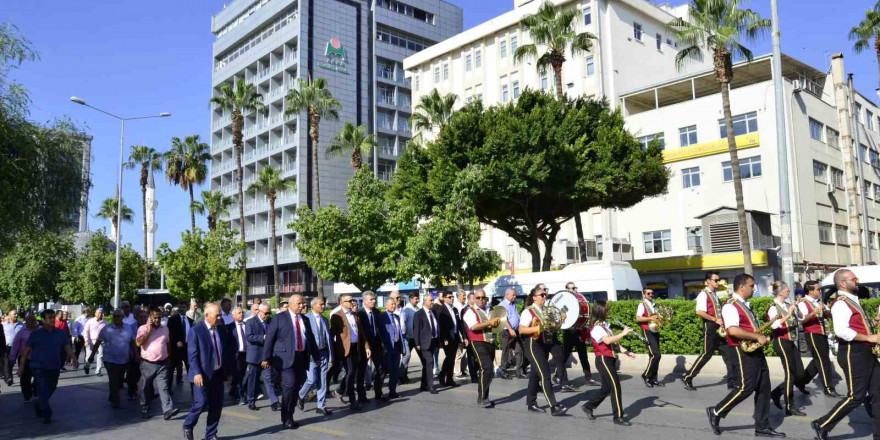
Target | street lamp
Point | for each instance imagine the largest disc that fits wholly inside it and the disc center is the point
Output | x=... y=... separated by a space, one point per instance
x=122 y=120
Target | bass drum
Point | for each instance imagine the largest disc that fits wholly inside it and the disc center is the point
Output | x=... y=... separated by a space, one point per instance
x=575 y=307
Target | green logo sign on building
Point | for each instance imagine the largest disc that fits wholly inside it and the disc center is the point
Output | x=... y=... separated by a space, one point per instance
x=336 y=60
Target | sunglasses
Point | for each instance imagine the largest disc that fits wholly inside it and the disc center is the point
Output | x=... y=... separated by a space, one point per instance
x=715 y=280
x=352 y=301
x=543 y=295
x=479 y=297
x=449 y=296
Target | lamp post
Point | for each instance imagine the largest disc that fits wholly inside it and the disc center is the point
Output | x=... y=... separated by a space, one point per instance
x=119 y=182
x=786 y=254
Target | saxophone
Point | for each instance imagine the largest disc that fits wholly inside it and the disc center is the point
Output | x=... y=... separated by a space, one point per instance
x=750 y=346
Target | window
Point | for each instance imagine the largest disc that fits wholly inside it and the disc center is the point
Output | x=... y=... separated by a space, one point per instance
x=637 y=31
x=877 y=192
x=841 y=235
x=659 y=41
x=832 y=137
x=599 y=246
x=869 y=120
x=820 y=172
x=815 y=129
x=858 y=112
x=436 y=74
x=515 y=89
x=825 y=232
x=504 y=94
x=478 y=58
x=875 y=161
x=742 y=124
x=690 y=177
x=401 y=39
x=445 y=71
x=687 y=135
x=863 y=153
x=868 y=192
x=588 y=15
x=837 y=178
x=748 y=167
x=405 y=9
x=591 y=66
x=544 y=83
x=416 y=82
x=646 y=140
x=513 y=45
x=467 y=63
x=502 y=48
x=695 y=238
x=657 y=241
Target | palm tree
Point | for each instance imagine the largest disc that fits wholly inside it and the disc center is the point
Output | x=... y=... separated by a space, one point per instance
x=243 y=98
x=866 y=30
x=355 y=140
x=108 y=211
x=270 y=183
x=216 y=204
x=433 y=112
x=149 y=160
x=554 y=28
x=720 y=26
x=188 y=166
x=314 y=98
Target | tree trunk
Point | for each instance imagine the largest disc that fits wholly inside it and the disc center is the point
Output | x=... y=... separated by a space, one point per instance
x=745 y=240
x=582 y=245
x=212 y=223
x=274 y=252
x=459 y=285
x=548 y=248
x=356 y=161
x=144 y=203
x=237 y=139
x=313 y=133
x=535 y=252
x=877 y=51
x=192 y=212
x=557 y=72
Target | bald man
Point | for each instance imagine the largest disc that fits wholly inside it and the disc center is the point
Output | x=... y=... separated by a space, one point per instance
x=209 y=360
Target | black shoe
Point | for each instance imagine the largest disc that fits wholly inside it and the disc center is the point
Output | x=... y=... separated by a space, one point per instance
x=658 y=384
x=404 y=380
x=488 y=404
x=145 y=414
x=869 y=408
x=506 y=376
x=393 y=395
x=522 y=376
x=433 y=391
x=363 y=400
x=588 y=411
x=567 y=389
x=831 y=392
x=383 y=398
x=536 y=408
x=341 y=399
x=290 y=424
x=795 y=412
x=452 y=384
x=355 y=407
x=558 y=410
x=99 y=374
x=253 y=407
x=714 y=420
x=556 y=380
x=187 y=434
x=593 y=382
x=802 y=388
x=276 y=406
x=689 y=384
x=647 y=382
x=775 y=397
x=768 y=432
x=621 y=421
x=821 y=434
x=301 y=404
x=170 y=413
x=731 y=386
x=324 y=411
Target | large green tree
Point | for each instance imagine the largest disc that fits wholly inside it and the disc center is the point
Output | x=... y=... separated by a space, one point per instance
x=362 y=246
x=215 y=204
x=108 y=211
x=433 y=112
x=88 y=279
x=149 y=160
x=720 y=27
x=544 y=159
x=866 y=31
x=187 y=166
x=206 y=267
x=318 y=102
x=270 y=183
x=30 y=270
x=352 y=140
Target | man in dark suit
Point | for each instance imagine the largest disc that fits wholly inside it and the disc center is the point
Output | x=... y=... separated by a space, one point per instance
x=426 y=337
x=239 y=345
x=209 y=360
x=391 y=334
x=256 y=329
x=178 y=330
x=450 y=334
x=348 y=347
x=369 y=322
x=289 y=343
x=318 y=367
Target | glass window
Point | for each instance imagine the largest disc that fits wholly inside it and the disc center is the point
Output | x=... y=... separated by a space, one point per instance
x=478 y=59
x=748 y=167
x=877 y=192
x=690 y=177
x=695 y=238
x=504 y=93
x=815 y=129
x=837 y=178
x=868 y=190
x=445 y=71
x=591 y=66
x=657 y=241
x=831 y=137
x=659 y=41
x=825 y=232
x=436 y=74
x=513 y=45
x=687 y=135
x=416 y=82
x=875 y=161
x=544 y=83
x=869 y=120
x=467 y=63
x=637 y=31
x=820 y=171
x=588 y=16
x=858 y=112
x=863 y=153
x=742 y=124
x=646 y=140
x=502 y=48
x=515 y=89
x=841 y=234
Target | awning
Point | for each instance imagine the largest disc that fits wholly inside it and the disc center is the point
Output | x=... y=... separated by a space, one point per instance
x=703 y=262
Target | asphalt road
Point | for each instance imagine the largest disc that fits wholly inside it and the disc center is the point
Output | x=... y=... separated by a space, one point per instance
x=82 y=411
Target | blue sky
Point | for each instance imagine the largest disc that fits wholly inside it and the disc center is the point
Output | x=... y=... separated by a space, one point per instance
x=134 y=57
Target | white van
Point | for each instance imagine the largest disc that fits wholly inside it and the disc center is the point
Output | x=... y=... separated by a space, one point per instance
x=596 y=280
x=869 y=276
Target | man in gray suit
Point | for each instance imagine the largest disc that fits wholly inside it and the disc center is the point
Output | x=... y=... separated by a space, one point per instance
x=320 y=364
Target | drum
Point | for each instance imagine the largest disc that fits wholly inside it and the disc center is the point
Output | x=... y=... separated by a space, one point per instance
x=575 y=307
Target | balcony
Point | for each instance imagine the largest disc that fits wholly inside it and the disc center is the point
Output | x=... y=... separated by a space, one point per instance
x=222 y=121
x=387 y=99
x=221 y=145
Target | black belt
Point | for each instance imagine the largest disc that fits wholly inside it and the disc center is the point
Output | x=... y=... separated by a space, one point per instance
x=155 y=362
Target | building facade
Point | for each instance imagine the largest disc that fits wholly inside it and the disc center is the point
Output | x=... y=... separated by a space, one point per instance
x=358 y=48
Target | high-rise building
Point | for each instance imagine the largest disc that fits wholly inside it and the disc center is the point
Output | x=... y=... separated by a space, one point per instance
x=358 y=47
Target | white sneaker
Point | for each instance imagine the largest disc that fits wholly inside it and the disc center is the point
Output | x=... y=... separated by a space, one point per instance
x=260 y=397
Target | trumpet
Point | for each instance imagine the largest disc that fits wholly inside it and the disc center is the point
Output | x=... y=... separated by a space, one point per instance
x=622 y=325
x=722 y=332
x=665 y=314
x=750 y=346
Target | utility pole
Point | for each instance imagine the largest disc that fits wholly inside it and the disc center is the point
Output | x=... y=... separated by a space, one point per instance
x=786 y=254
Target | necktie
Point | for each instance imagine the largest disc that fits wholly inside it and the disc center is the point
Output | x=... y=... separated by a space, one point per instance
x=433 y=327
x=216 y=349
x=372 y=327
x=320 y=336
x=394 y=326
x=299 y=344
x=242 y=342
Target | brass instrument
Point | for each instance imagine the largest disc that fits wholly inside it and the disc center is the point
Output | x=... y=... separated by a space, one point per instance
x=876 y=348
x=551 y=319
x=501 y=313
x=722 y=332
x=665 y=314
x=829 y=333
x=750 y=346
x=636 y=334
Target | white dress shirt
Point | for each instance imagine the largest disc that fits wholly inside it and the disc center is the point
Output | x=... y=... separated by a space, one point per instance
x=432 y=321
x=353 y=324
x=841 y=314
x=525 y=318
x=227 y=318
x=470 y=317
x=814 y=302
x=301 y=335
x=641 y=310
x=773 y=311
x=597 y=332
x=239 y=331
x=729 y=313
x=454 y=316
x=703 y=300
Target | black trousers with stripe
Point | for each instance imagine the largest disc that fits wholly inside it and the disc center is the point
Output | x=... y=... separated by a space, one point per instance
x=607 y=367
x=712 y=342
x=653 y=338
x=821 y=364
x=755 y=379
x=792 y=366
x=862 y=374
x=483 y=354
x=538 y=354
x=571 y=339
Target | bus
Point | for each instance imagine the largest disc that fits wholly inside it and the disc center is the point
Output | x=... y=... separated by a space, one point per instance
x=595 y=280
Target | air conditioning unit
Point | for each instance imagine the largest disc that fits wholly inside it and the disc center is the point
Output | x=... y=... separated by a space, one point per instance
x=798 y=85
x=829 y=188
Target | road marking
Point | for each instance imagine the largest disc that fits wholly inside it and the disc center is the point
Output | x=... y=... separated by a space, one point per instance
x=242 y=416
x=733 y=413
x=306 y=427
